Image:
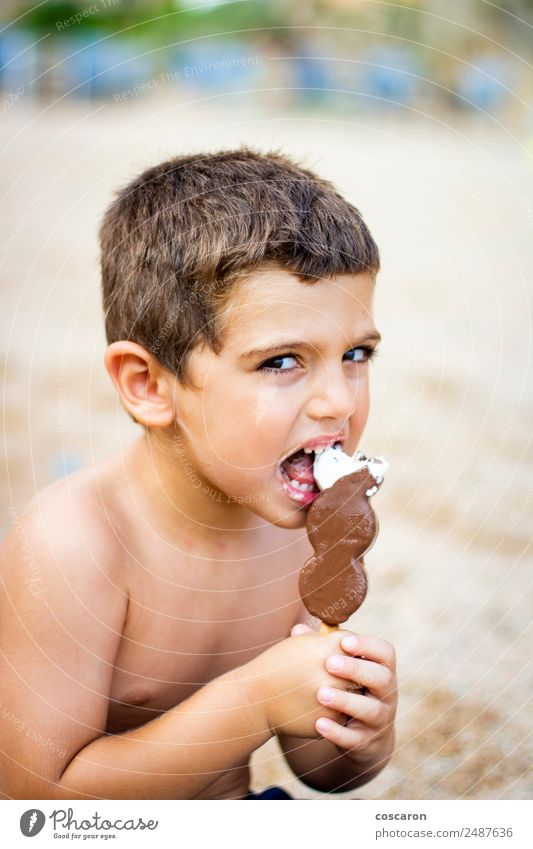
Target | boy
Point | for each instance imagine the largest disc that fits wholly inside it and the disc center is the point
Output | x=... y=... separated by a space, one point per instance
x=166 y=642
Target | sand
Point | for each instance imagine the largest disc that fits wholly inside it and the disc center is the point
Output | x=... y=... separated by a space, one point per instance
x=449 y=202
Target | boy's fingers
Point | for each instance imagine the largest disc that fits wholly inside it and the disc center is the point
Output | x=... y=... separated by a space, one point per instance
x=372 y=648
x=368 y=710
x=341 y=735
x=374 y=676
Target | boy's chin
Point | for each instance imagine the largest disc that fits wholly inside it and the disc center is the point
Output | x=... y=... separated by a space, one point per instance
x=278 y=510
x=290 y=518
x=292 y=522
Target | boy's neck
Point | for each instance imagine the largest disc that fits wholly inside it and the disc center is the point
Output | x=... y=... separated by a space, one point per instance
x=161 y=483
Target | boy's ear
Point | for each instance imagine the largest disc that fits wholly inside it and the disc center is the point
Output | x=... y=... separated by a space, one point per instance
x=144 y=386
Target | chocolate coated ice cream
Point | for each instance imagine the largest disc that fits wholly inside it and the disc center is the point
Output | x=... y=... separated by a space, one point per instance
x=341 y=526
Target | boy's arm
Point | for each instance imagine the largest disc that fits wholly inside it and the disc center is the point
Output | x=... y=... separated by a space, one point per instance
x=62 y=612
x=176 y=756
x=61 y=619
x=323 y=766
x=182 y=752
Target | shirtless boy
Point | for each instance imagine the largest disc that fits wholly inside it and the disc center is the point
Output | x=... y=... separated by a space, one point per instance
x=165 y=639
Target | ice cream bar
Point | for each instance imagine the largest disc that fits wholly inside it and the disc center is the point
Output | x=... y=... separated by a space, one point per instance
x=341 y=526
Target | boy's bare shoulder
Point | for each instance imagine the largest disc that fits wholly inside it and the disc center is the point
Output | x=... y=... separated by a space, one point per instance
x=71 y=519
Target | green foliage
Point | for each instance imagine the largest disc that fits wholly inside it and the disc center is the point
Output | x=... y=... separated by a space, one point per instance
x=157 y=21
x=167 y=21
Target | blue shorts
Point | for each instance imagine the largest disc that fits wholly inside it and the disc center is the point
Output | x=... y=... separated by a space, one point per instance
x=270 y=793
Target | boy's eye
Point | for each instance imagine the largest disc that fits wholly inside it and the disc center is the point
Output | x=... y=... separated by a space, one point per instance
x=275 y=364
x=272 y=364
x=361 y=355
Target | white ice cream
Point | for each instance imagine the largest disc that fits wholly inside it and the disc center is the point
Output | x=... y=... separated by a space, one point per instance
x=333 y=463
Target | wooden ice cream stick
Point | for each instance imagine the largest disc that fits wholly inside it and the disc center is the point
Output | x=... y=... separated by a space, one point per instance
x=326 y=629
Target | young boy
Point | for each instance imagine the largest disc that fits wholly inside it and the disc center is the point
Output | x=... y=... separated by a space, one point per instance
x=151 y=631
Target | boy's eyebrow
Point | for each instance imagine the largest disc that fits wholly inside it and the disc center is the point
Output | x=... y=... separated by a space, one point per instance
x=283 y=347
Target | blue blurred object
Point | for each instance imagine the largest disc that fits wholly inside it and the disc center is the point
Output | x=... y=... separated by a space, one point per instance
x=315 y=77
x=483 y=82
x=19 y=60
x=98 y=66
x=217 y=67
x=62 y=464
x=389 y=74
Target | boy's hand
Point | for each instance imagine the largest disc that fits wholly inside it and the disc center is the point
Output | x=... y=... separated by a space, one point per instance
x=366 y=662
x=283 y=683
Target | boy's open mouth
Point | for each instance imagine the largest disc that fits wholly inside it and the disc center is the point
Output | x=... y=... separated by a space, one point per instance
x=296 y=475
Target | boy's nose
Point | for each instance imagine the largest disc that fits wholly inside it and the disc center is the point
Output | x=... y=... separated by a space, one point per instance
x=334 y=396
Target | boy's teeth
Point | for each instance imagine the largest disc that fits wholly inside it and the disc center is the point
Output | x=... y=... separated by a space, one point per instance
x=321 y=449
x=305 y=487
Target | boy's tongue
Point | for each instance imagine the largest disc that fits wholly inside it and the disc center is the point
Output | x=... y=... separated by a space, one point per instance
x=300 y=467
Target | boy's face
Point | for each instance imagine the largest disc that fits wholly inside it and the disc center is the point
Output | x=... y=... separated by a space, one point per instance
x=243 y=420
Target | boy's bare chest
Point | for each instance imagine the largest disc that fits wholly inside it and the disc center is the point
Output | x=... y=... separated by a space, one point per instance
x=189 y=624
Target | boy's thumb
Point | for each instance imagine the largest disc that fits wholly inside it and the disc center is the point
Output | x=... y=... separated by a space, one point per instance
x=296 y=630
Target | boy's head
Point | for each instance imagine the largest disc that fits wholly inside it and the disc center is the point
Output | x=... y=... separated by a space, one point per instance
x=205 y=257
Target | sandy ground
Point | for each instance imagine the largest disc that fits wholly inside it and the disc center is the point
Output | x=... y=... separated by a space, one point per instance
x=450 y=205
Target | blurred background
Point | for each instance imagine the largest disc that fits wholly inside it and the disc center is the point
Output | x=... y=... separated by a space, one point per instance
x=421 y=114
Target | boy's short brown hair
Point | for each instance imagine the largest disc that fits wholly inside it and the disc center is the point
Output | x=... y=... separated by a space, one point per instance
x=179 y=236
